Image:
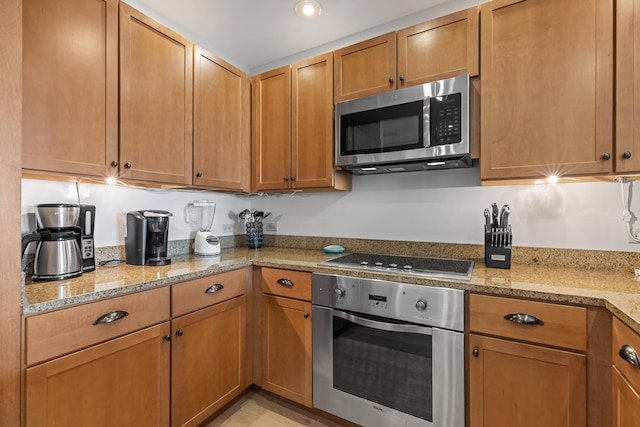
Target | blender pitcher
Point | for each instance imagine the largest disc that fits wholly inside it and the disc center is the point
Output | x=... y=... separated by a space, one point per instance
x=200 y=214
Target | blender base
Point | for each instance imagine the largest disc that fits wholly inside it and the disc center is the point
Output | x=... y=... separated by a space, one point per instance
x=206 y=244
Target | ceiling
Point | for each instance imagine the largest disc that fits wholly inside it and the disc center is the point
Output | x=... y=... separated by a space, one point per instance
x=254 y=34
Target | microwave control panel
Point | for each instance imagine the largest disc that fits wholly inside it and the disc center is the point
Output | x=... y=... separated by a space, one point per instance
x=445 y=118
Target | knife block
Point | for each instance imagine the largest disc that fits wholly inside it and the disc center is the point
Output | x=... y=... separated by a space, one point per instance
x=496 y=256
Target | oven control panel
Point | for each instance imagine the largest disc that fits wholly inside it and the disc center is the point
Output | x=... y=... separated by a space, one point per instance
x=424 y=305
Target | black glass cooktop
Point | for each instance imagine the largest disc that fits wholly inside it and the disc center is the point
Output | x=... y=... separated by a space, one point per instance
x=428 y=267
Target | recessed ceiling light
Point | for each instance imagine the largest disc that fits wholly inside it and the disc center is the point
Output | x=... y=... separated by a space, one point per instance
x=308 y=9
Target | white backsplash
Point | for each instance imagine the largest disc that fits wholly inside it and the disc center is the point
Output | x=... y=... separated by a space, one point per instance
x=435 y=206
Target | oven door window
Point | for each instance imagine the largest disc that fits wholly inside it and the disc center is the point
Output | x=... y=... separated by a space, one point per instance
x=393 y=369
x=394 y=128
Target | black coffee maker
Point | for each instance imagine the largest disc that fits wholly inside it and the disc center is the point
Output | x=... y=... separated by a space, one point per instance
x=147 y=237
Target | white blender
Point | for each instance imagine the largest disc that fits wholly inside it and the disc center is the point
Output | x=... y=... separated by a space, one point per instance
x=200 y=213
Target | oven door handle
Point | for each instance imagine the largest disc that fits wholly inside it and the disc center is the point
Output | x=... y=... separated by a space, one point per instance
x=383 y=326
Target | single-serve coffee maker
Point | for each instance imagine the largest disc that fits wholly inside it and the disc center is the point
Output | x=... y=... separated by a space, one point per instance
x=64 y=235
x=146 y=237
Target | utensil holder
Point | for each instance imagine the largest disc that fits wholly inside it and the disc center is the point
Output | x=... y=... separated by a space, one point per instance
x=254 y=235
x=497 y=249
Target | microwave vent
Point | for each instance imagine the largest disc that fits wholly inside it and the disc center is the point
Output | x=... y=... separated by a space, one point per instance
x=431 y=164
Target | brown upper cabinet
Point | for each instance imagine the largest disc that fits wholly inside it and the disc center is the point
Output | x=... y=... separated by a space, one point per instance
x=547 y=88
x=221 y=124
x=627 y=152
x=156 y=111
x=183 y=119
x=293 y=144
x=70 y=86
x=439 y=48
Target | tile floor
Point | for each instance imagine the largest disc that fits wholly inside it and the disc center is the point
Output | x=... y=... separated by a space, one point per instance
x=261 y=409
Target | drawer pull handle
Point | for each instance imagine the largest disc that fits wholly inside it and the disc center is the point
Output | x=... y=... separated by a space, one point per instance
x=214 y=288
x=629 y=354
x=111 y=317
x=285 y=282
x=524 y=319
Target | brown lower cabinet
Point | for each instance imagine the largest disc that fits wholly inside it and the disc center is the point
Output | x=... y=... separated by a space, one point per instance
x=137 y=368
x=122 y=382
x=512 y=383
x=625 y=376
x=626 y=402
x=286 y=351
x=208 y=353
x=532 y=383
x=284 y=366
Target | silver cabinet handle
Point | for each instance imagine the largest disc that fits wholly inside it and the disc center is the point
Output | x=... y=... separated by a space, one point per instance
x=629 y=354
x=285 y=282
x=214 y=288
x=111 y=317
x=524 y=319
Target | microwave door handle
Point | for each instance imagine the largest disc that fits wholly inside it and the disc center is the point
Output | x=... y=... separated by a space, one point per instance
x=383 y=326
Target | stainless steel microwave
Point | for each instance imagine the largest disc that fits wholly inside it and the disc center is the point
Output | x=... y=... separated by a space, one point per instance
x=416 y=128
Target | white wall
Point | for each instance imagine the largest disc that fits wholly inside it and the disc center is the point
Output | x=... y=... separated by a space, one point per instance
x=434 y=206
x=448 y=205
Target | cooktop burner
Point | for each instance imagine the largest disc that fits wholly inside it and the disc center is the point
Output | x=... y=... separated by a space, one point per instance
x=428 y=267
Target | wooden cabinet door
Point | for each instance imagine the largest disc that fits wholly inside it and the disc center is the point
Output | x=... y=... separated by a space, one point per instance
x=286 y=348
x=208 y=360
x=626 y=402
x=221 y=124
x=123 y=382
x=365 y=68
x=627 y=86
x=70 y=86
x=547 y=85
x=312 y=144
x=272 y=130
x=156 y=110
x=445 y=47
x=511 y=383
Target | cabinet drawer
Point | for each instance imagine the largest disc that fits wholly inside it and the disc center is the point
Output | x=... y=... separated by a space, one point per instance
x=623 y=335
x=195 y=294
x=287 y=283
x=563 y=326
x=52 y=334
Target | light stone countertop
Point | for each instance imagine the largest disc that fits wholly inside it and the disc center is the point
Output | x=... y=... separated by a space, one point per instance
x=617 y=290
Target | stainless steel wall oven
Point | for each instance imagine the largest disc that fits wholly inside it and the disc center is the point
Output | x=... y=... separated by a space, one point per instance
x=387 y=353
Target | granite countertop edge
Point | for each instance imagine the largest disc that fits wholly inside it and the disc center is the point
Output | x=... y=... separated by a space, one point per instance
x=614 y=290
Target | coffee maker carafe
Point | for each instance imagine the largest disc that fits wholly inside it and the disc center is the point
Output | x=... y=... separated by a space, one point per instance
x=58 y=255
x=147 y=237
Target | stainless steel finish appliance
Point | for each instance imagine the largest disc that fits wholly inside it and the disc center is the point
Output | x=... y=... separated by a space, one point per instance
x=147 y=237
x=57 y=215
x=388 y=354
x=443 y=268
x=58 y=238
x=86 y=224
x=416 y=128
